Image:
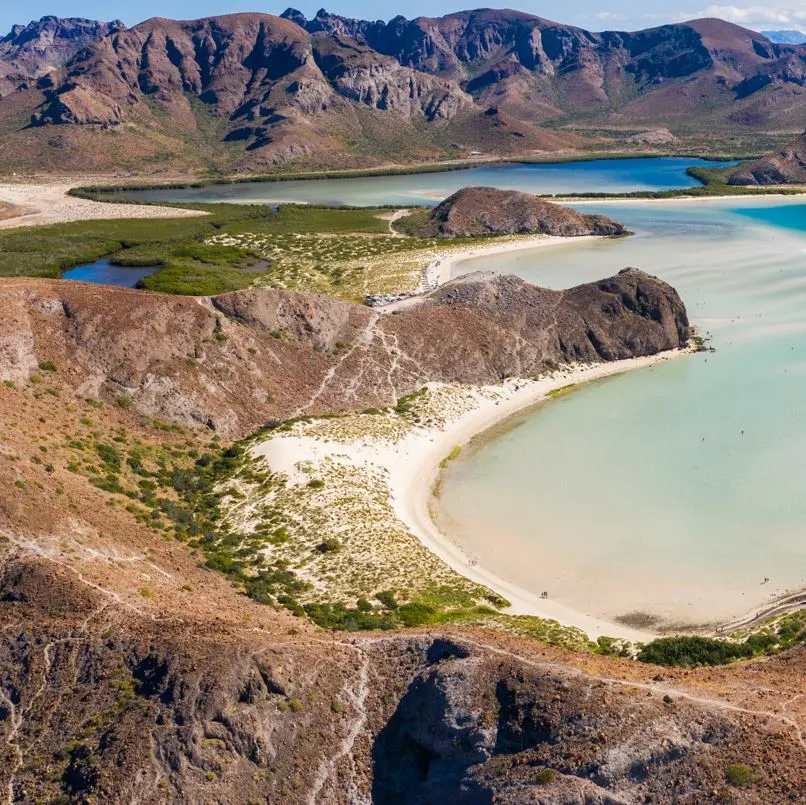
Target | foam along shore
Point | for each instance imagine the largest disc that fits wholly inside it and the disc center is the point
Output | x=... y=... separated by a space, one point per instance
x=410 y=463
x=49 y=203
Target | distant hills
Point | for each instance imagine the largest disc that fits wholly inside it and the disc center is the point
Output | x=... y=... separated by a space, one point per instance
x=785 y=37
x=30 y=51
x=256 y=92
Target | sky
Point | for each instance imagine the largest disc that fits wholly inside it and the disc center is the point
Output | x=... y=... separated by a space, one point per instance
x=590 y=14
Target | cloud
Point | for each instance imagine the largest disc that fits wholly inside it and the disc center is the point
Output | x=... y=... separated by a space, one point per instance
x=792 y=13
x=609 y=15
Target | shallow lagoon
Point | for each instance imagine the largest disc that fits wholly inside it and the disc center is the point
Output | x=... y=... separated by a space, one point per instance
x=605 y=176
x=671 y=491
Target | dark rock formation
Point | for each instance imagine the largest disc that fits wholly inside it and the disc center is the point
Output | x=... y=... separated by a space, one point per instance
x=473 y=330
x=476 y=211
x=788 y=166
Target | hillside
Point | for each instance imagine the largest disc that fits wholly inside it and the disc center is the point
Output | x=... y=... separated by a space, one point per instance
x=788 y=166
x=133 y=671
x=251 y=92
x=333 y=356
x=481 y=211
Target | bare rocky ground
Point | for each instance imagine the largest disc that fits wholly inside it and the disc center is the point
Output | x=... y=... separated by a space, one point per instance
x=131 y=673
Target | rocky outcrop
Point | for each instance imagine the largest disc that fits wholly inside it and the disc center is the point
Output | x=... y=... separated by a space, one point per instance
x=261 y=354
x=788 y=166
x=479 y=211
x=128 y=700
x=653 y=137
x=358 y=73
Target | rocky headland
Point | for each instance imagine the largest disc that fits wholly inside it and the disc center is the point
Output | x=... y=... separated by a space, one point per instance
x=231 y=362
x=484 y=211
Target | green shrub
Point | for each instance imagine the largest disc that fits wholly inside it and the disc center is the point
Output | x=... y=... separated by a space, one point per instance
x=109 y=455
x=387 y=598
x=546 y=776
x=47 y=366
x=738 y=774
x=123 y=401
x=688 y=652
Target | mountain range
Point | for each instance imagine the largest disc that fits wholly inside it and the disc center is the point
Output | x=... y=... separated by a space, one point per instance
x=251 y=92
x=787 y=37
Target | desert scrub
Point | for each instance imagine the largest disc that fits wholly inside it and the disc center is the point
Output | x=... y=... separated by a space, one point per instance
x=776 y=635
x=212 y=253
x=738 y=774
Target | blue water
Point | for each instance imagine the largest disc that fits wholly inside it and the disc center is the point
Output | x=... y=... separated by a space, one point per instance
x=104 y=273
x=675 y=490
x=610 y=176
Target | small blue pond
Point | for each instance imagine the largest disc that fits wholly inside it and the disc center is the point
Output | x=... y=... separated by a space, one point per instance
x=104 y=273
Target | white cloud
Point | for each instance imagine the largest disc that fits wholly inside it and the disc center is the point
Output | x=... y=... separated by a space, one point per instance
x=609 y=15
x=792 y=13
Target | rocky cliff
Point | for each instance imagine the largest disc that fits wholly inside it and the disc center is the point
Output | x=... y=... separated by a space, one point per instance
x=232 y=362
x=479 y=211
x=788 y=166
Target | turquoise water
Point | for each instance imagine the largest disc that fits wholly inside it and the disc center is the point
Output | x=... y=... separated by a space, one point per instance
x=610 y=176
x=675 y=490
x=104 y=273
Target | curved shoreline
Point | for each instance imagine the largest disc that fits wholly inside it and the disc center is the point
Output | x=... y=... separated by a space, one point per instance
x=413 y=475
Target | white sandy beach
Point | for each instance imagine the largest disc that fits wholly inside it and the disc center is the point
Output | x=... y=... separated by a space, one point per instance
x=48 y=203
x=412 y=466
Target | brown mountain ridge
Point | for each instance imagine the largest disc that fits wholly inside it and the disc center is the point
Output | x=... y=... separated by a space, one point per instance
x=252 y=91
